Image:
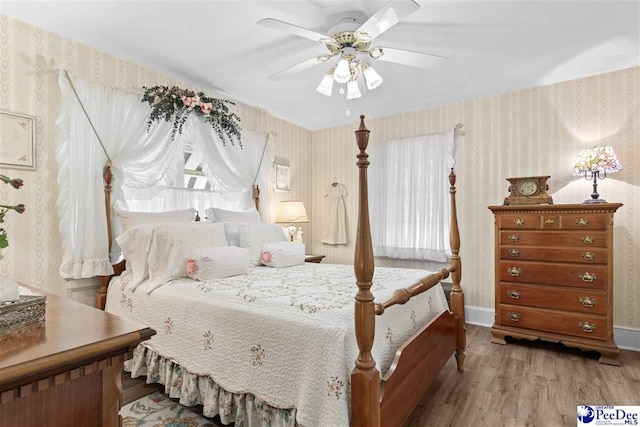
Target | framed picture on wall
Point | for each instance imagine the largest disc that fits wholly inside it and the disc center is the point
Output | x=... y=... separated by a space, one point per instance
x=282 y=177
x=17 y=141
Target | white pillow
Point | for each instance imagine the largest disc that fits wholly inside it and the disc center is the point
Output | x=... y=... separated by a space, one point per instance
x=222 y=215
x=283 y=254
x=171 y=245
x=135 y=244
x=232 y=231
x=217 y=263
x=255 y=236
x=130 y=219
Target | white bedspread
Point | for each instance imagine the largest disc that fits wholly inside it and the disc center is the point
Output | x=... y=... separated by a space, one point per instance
x=284 y=335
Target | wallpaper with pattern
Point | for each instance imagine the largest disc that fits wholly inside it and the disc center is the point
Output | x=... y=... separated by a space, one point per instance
x=536 y=131
x=29 y=58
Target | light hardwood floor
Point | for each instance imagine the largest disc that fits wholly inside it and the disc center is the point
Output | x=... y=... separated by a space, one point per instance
x=519 y=384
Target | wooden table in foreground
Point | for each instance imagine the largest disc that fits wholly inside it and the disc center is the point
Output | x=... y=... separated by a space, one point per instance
x=66 y=371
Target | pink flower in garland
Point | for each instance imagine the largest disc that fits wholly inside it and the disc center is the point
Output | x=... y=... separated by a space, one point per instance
x=266 y=257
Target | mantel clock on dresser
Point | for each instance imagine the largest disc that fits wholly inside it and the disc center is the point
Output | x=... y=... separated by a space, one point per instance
x=528 y=190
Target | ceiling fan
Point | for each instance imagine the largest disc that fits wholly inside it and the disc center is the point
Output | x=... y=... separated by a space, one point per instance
x=351 y=40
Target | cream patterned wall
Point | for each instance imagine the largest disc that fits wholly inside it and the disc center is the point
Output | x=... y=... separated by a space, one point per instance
x=530 y=132
x=29 y=57
x=537 y=131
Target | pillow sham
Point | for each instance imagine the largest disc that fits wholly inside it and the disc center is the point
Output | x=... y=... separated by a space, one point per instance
x=283 y=254
x=130 y=219
x=135 y=244
x=255 y=236
x=221 y=215
x=217 y=263
x=171 y=244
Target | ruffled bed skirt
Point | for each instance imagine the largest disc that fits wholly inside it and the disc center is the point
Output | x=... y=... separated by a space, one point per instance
x=192 y=389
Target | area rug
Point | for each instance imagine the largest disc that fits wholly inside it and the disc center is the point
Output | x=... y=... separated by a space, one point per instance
x=158 y=410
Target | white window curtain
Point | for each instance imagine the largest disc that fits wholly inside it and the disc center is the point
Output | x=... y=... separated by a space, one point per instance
x=140 y=158
x=232 y=170
x=409 y=196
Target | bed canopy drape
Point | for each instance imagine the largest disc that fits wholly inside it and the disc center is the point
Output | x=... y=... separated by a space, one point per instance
x=97 y=124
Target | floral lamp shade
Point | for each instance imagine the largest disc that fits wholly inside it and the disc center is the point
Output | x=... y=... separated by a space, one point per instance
x=597 y=159
x=594 y=163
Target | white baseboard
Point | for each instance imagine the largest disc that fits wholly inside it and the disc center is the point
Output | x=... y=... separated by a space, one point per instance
x=625 y=338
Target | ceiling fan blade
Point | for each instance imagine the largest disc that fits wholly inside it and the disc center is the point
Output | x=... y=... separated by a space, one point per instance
x=294 y=69
x=293 y=29
x=413 y=59
x=388 y=16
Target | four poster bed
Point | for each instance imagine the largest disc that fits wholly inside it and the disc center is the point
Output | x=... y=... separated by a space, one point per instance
x=290 y=331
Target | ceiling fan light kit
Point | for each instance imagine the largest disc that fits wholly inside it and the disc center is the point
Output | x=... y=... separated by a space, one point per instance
x=353 y=91
x=349 y=40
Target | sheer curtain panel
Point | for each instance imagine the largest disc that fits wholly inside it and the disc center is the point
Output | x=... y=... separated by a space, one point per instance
x=139 y=158
x=409 y=196
x=231 y=169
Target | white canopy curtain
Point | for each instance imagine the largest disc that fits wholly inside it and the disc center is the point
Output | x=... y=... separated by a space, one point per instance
x=232 y=170
x=410 y=211
x=139 y=158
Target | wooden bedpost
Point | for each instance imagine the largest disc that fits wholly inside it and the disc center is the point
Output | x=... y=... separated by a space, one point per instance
x=256 y=197
x=457 y=297
x=101 y=295
x=365 y=378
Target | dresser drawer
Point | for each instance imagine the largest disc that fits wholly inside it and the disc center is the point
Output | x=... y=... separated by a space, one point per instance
x=584 y=222
x=572 y=239
x=582 y=300
x=576 y=275
x=577 y=324
x=587 y=255
x=519 y=221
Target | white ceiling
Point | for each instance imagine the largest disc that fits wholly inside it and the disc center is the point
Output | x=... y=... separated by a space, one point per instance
x=492 y=47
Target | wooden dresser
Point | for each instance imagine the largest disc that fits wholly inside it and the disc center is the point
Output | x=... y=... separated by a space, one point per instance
x=67 y=370
x=554 y=275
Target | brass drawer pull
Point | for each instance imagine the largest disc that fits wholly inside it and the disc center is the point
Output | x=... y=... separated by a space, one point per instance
x=549 y=221
x=587 y=327
x=587 y=277
x=514 y=252
x=589 y=256
x=582 y=222
x=513 y=316
x=513 y=293
x=518 y=222
x=587 y=302
x=514 y=271
x=513 y=238
x=588 y=240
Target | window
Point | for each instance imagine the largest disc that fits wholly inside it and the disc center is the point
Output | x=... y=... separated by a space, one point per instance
x=409 y=197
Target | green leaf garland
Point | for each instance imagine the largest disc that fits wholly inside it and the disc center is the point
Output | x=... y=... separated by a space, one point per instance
x=174 y=105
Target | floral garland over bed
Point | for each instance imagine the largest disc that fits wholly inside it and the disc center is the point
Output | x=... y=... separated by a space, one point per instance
x=174 y=105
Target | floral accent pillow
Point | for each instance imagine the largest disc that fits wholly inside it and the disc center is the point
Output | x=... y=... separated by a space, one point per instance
x=283 y=254
x=217 y=263
x=171 y=244
x=255 y=236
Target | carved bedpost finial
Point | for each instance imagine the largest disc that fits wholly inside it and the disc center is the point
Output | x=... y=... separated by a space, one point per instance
x=362 y=136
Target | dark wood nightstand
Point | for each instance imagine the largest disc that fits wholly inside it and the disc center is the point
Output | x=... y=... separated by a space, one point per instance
x=313 y=258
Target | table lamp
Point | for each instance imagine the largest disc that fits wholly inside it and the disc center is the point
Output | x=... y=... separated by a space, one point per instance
x=292 y=212
x=595 y=163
